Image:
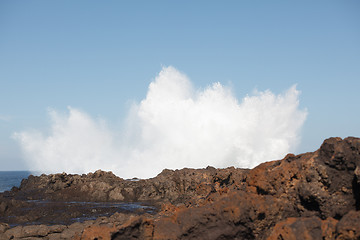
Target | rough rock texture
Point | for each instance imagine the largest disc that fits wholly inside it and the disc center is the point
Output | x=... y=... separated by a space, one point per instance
x=49 y=199
x=304 y=228
x=174 y=186
x=349 y=226
x=308 y=196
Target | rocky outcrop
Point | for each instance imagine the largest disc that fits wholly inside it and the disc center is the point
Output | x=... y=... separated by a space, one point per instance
x=169 y=185
x=309 y=196
x=64 y=198
x=322 y=183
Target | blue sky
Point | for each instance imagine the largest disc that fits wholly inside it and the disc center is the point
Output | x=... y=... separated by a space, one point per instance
x=100 y=56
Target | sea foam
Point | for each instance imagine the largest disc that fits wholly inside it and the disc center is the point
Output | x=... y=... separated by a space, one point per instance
x=174 y=126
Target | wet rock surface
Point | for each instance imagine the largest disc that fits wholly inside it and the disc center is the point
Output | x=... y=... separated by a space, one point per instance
x=309 y=196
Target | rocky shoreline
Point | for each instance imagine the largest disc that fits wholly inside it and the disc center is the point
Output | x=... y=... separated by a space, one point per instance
x=309 y=196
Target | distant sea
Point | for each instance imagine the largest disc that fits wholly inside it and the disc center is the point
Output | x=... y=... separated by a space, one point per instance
x=9 y=179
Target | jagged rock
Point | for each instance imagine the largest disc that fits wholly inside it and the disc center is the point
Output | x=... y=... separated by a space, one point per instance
x=309 y=196
x=104 y=186
x=316 y=189
x=319 y=183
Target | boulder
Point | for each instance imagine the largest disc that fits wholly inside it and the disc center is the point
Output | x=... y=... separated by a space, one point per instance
x=349 y=226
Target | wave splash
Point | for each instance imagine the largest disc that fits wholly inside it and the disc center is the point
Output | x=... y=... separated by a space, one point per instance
x=175 y=126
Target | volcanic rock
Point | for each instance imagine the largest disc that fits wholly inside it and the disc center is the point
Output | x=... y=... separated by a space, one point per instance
x=349 y=226
x=309 y=196
x=306 y=228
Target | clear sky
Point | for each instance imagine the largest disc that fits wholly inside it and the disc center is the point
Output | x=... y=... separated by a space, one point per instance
x=99 y=56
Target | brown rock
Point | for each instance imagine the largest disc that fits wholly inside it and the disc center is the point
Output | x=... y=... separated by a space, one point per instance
x=74 y=229
x=55 y=236
x=312 y=228
x=4 y=227
x=319 y=183
x=174 y=186
x=134 y=228
x=35 y=231
x=3 y=206
x=115 y=195
x=56 y=228
x=15 y=232
x=97 y=232
x=308 y=196
x=232 y=215
x=349 y=226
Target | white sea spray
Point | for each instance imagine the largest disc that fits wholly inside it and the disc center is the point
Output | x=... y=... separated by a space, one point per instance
x=174 y=126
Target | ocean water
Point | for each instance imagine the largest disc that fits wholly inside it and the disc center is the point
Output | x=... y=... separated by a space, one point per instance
x=9 y=179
